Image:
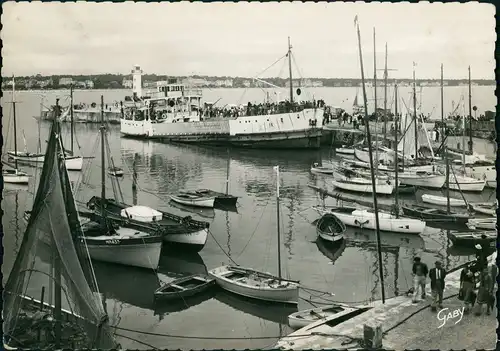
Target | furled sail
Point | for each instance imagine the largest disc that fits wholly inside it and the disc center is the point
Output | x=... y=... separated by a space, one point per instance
x=53 y=267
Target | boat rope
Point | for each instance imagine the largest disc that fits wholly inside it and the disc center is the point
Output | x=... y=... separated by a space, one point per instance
x=254 y=231
x=138 y=341
x=225 y=253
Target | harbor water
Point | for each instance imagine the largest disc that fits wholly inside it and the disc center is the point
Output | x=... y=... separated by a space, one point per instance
x=249 y=237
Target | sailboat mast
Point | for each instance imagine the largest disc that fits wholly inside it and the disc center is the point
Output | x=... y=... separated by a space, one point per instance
x=369 y=139
x=415 y=110
x=290 y=69
x=15 y=122
x=71 y=114
x=396 y=147
x=103 y=162
x=470 y=115
x=57 y=271
x=385 y=94
x=447 y=180
x=278 y=217
x=375 y=106
x=442 y=105
x=134 y=179
x=227 y=172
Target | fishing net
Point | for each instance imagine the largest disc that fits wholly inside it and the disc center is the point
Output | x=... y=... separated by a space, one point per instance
x=48 y=298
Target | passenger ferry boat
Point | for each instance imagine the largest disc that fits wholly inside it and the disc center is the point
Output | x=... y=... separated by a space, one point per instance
x=174 y=113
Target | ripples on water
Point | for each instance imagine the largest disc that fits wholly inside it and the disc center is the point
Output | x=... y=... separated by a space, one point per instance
x=350 y=271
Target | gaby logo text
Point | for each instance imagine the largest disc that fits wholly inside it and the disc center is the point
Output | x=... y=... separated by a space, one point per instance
x=446 y=314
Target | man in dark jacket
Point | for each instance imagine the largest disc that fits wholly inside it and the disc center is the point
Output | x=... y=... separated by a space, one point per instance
x=437 y=275
x=420 y=271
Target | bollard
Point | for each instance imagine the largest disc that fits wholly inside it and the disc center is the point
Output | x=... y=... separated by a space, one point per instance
x=372 y=336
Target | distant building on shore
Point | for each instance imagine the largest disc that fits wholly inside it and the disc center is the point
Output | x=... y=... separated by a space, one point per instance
x=65 y=81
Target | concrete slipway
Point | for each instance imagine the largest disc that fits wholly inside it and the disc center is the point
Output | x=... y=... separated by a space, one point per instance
x=405 y=326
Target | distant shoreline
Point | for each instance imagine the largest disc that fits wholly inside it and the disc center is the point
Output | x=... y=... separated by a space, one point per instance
x=7 y=89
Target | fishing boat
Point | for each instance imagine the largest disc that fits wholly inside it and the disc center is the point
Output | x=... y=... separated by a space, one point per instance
x=117 y=241
x=116 y=171
x=349 y=172
x=430 y=214
x=422 y=179
x=184 y=287
x=353 y=217
x=457 y=182
x=122 y=245
x=479 y=169
x=316 y=168
x=330 y=228
x=442 y=200
x=176 y=230
x=259 y=285
x=70 y=316
x=491 y=184
x=191 y=199
x=487 y=208
x=304 y=318
x=472 y=238
x=361 y=185
x=482 y=223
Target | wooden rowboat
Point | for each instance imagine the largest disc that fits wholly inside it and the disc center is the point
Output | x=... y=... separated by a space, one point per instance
x=330 y=228
x=184 y=287
x=303 y=318
x=196 y=200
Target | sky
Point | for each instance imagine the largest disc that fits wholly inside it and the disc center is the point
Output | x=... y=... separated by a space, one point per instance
x=243 y=39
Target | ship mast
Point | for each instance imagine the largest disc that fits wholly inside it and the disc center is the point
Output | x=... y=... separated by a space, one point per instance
x=470 y=116
x=369 y=139
x=289 y=54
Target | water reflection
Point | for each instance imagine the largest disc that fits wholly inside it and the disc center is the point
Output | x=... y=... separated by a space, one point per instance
x=277 y=313
x=331 y=250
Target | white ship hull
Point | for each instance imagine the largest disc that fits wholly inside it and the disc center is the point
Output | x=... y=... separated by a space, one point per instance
x=195 y=239
x=74 y=163
x=203 y=202
x=488 y=173
x=15 y=177
x=286 y=130
x=140 y=252
x=466 y=183
x=387 y=222
x=434 y=181
x=380 y=188
x=442 y=201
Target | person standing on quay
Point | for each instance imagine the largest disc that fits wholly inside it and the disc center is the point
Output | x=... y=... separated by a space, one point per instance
x=484 y=291
x=437 y=275
x=467 y=285
x=420 y=271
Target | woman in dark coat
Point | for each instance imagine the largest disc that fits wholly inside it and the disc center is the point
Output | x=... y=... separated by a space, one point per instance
x=484 y=293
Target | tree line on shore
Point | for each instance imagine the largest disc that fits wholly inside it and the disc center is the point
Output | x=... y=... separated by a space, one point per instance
x=116 y=81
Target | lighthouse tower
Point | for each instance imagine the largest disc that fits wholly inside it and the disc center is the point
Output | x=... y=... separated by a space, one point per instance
x=137 y=81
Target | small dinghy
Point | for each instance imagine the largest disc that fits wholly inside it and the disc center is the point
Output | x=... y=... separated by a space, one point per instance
x=316 y=168
x=303 y=318
x=184 y=287
x=361 y=185
x=442 y=200
x=472 y=238
x=430 y=214
x=482 y=223
x=192 y=199
x=257 y=285
x=330 y=228
x=485 y=208
x=115 y=171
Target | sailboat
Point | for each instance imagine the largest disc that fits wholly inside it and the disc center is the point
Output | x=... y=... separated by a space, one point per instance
x=176 y=230
x=258 y=285
x=110 y=241
x=73 y=163
x=14 y=176
x=70 y=316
